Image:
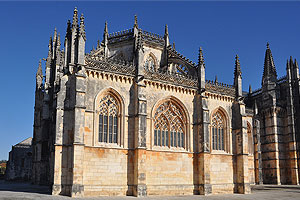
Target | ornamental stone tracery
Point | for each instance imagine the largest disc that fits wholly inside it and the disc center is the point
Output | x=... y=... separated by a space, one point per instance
x=108 y=119
x=169 y=125
x=218 y=131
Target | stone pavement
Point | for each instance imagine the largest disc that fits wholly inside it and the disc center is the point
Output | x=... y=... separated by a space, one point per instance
x=25 y=191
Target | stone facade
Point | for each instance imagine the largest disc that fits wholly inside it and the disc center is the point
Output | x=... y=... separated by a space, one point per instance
x=19 y=164
x=135 y=117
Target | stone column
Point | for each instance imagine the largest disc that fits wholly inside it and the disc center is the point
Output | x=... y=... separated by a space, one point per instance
x=78 y=144
x=270 y=146
x=240 y=130
x=257 y=152
x=204 y=148
x=58 y=145
x=140 y=187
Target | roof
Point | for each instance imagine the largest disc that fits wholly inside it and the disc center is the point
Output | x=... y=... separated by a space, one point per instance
x=26 y=142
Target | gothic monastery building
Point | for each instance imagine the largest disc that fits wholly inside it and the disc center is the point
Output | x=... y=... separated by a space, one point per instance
x=136 y=117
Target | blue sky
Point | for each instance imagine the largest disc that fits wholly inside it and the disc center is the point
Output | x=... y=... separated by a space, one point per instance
x=223 y=29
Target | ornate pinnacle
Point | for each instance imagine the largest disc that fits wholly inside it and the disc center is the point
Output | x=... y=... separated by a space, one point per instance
x=75 y=19
x=55 y=35
x=296 y=64
x=58 y=41
x=135 y=22
x=237 y=69
x=166 y=30
x=105 y=28
x=269 y=66
x=216 y=79
x=250 y=89
x=200 y=58
x=50 y=46
x=68 y=29
x=39 y=72
x=167 y=41
x=173 y=45
x=98 y=44
x=82 y=27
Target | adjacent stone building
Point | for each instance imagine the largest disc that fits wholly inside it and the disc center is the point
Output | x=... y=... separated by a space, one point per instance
x=136 y=117
x=19 y=164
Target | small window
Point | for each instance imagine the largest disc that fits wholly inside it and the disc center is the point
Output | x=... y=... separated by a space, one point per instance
x=150 y=64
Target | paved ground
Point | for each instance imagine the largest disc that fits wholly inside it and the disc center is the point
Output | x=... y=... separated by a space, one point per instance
x=24 y=191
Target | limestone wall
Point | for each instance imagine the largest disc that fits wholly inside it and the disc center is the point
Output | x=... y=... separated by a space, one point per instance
x=169 y=173
x=105 y=171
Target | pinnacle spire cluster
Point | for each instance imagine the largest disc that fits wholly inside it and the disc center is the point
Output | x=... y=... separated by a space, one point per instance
x=237 y=69
x=269 y=66
x=39 y=72
x=200 y=58
x=135 y=22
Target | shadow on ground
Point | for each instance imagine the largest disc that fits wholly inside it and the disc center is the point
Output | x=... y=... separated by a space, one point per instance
x=23 y=187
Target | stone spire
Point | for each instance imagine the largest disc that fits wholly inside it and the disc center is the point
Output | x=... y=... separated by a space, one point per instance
x=250 y=89
x=166 y=36
x=216 y=79
x=105 y=34
x=39 y=76
x=39 y=72
x=58 y=41
x=201 y=58
x=82 y=28
x=269 y=66
x=75 y=19
x=201 y=71
x=238 y=78
x=135 y=22
x=237 y=69
x=105 y=39
x=50 y=47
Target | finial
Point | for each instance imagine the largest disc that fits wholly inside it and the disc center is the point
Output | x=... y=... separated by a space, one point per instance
x=82 y=27
x=135 y=22
x=216 y=79
x=50 y=46
x=105 y=27
x=237 y=69
x=75 y=18
x=58 y=41
x=166 y=30
x=173 y=45
x=268 y=45
x=98 y=44
x=200 y=58
x=39 y=71
x=55 y=34
x=250 y=89
x=166 y=36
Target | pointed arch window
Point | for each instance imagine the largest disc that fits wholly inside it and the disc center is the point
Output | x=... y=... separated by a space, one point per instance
x=218 y=131
x=169 y=125
x=150 y=64
x=109 y=114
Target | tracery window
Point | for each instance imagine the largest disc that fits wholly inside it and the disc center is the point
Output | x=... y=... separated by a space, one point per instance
x=108 y=119
x=169 y=125
x=250 y=139
x=218 y=130
x=150 y=64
